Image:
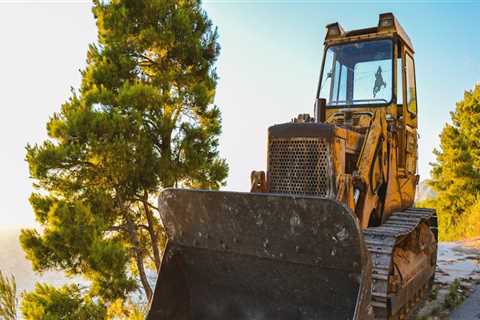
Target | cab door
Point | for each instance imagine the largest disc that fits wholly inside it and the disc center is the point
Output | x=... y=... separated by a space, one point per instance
x=407 y=107
x=410 y=112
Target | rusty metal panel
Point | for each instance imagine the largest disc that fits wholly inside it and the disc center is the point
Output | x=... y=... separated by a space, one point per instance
x=260 y=256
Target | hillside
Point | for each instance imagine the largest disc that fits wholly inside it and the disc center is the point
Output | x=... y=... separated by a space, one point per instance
x=424 y=191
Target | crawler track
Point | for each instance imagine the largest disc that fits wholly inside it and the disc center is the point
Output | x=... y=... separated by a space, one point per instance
x=388 y=301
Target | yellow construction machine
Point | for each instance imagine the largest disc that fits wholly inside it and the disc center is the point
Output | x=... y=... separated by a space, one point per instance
x=329 y=230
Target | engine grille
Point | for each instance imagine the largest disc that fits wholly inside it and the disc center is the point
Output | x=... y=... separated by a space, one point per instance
x=300 y=166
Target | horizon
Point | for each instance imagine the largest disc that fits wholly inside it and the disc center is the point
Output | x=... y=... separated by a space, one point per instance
x=268 y=73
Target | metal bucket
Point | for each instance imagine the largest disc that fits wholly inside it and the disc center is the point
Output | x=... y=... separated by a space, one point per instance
x=248 y=256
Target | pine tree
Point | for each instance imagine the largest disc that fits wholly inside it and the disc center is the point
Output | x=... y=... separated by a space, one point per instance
x=68 y=302
x=456 y=173
x=141 y=121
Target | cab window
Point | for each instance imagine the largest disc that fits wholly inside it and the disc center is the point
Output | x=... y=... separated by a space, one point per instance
x=411 y=92
x=399 y=82
x=358 y=73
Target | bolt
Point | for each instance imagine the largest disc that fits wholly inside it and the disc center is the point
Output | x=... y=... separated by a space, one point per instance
x=235 y=240
x=297 y=249
x=281 y=255
x=224 y=246
x=265 y=244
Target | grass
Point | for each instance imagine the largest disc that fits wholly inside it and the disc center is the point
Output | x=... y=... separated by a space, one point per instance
x=433 y=293
x=455 y=295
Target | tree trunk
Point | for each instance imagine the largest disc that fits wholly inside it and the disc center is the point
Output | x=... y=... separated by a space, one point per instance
x=132 y=231
x=151 y=230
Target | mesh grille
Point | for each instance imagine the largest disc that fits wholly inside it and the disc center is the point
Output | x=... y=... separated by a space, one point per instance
x=300 y=166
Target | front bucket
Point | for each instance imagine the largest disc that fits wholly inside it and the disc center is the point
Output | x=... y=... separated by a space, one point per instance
x=251 y=256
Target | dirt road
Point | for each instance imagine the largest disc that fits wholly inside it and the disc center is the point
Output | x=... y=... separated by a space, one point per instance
x=470 y=309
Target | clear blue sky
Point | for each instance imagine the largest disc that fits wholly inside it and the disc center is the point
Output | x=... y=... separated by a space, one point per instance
x=268 y=68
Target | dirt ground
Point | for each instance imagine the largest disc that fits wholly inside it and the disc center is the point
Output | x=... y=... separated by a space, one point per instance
x=456 y=278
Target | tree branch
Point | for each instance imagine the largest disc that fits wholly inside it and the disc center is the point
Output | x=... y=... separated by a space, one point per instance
x=151 y=230
x=132 y=231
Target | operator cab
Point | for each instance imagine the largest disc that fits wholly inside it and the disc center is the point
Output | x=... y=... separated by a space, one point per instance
x=367 y=69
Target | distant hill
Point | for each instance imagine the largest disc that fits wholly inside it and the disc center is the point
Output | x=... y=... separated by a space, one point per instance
x=424 y=191
x=13 y=261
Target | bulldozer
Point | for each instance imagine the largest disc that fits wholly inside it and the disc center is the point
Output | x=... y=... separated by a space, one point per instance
x=329 y=230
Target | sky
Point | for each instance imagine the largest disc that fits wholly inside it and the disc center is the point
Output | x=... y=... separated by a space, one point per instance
x=268 y=68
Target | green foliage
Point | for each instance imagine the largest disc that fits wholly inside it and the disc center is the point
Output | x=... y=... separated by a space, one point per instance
x=68 y=302
x=141 y=121
x=8 y=297
x=433 y=293
x=454 y=295
x=75 y=239
x=121 y=310
x=456 y=173
x=466 y=226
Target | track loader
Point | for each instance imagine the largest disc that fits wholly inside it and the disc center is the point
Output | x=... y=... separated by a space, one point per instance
x=329 y=231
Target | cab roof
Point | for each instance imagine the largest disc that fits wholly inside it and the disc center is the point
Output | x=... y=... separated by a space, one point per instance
x=388 y=26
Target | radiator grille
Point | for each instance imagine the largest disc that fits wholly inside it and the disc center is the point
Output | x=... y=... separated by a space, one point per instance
x=300 y=166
